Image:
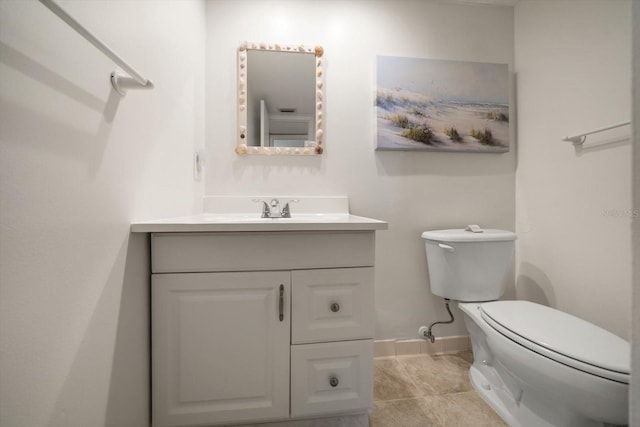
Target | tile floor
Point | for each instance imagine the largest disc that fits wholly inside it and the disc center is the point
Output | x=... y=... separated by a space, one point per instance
x=428 y=391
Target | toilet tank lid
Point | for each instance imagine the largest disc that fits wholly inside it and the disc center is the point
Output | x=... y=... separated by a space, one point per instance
x=461 y=235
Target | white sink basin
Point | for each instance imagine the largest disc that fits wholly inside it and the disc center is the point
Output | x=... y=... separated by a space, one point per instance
x=255 y=218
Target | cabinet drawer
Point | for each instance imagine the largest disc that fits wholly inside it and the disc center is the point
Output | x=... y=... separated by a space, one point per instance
x=331 y=378
x=332 y=305
x=243 y=251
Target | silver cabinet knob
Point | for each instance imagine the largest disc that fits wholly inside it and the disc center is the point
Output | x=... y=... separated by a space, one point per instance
x=335 y=307
x=333 y=381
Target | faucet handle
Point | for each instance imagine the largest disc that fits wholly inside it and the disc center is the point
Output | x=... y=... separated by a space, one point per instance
x=266 y=212
x=286 y=211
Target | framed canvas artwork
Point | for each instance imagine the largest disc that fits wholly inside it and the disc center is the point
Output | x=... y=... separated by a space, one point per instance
x=441 y=105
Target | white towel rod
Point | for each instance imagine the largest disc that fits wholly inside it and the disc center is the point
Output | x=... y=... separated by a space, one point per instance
x=119 y=81
x=580 y=138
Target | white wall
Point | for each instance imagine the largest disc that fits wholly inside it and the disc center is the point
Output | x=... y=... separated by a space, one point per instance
x=413 y=191
x=573 y=206
x=634 y=397
x=77 y=165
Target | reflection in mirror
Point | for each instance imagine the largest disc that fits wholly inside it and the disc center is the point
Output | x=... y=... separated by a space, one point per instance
x=280 y=99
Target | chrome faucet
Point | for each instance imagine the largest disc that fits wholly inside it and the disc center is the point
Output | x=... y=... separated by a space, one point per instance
x=271 y=209
x=266 y=212
x=275 y=213
x=286 y=211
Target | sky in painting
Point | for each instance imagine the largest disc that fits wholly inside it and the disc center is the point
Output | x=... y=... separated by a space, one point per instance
x=459 y=81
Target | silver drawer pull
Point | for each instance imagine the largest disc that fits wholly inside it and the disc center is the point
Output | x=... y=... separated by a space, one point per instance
x=333 y=381
x=281 y=303
x=335 y=307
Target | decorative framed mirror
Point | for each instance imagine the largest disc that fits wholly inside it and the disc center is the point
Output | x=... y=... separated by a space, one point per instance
x=280 y=99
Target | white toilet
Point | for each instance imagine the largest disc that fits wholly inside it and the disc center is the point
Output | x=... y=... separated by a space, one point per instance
x=536 y=366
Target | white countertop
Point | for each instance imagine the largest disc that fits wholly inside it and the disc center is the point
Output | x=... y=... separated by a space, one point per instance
x=210 y=222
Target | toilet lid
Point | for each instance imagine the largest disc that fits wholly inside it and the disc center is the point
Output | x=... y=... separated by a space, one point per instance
x=561 y=337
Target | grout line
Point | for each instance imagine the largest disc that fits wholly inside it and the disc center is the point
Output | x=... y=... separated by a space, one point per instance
x=398 y=400
x=428 y=395
x=452 y=353
x=408 y=376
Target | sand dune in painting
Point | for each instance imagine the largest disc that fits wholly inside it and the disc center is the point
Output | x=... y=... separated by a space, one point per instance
x=413 y=121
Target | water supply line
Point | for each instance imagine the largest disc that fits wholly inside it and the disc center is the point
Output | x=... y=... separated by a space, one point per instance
x=426 y=332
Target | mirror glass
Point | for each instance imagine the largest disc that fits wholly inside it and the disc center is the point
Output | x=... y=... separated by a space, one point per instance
x=279 y=99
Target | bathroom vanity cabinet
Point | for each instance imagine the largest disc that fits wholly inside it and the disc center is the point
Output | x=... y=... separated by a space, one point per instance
x=257 y=326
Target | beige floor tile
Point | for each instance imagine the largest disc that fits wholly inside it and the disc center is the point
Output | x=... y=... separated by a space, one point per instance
x=466 y=355
x=399 y=413
x=428 y=391
x=459 y=410
x=438 y=374
x=390 y=381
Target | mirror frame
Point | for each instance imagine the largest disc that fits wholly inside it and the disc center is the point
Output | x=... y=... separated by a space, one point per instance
x=241 y=146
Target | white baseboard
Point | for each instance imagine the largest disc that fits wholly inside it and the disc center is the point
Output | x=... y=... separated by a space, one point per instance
x=444 y=345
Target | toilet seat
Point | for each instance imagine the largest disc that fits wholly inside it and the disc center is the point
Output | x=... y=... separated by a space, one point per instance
x=561 y=337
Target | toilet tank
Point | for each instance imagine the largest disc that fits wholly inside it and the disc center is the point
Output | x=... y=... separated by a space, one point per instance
x=468 y=266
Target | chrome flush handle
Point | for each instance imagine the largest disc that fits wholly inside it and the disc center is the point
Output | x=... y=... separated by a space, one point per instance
x=447 y=248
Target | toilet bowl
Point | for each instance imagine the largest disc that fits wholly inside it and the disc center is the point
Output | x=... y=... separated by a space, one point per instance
x=534 y=365
x=537 y=366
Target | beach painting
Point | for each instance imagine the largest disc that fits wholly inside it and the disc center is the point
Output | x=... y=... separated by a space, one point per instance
x=441 y=105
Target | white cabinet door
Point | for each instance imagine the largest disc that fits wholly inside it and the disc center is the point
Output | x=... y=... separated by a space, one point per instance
x=220 y=347
x=332 y=305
